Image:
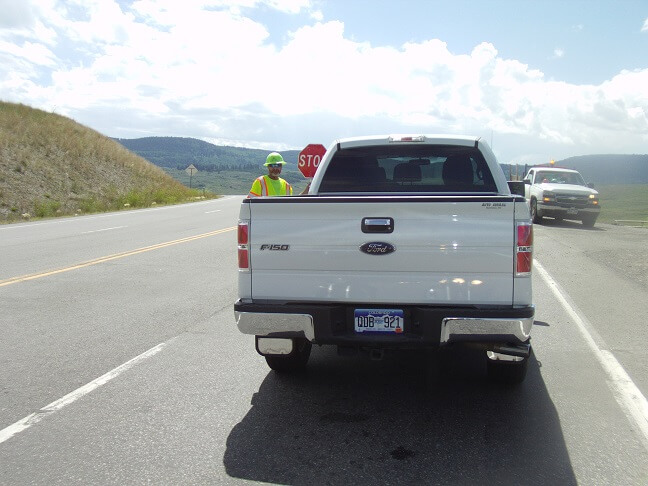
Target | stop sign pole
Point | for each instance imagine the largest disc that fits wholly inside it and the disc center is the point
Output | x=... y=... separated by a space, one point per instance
x=309 y=159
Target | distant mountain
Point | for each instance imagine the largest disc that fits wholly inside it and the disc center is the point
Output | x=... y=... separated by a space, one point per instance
x=610 y=169
x=179 y=153
x=599 y=169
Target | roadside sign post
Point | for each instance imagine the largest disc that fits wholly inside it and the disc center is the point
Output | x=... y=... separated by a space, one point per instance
x=309 y=159
x=190 y=170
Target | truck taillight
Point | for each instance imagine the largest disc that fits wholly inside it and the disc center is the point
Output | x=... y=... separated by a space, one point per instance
x=243 y=249
x=524 y=249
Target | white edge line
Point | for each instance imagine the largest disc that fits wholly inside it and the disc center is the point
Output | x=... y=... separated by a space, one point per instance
x=626 y=393
x=23 y=424
x=103 y=229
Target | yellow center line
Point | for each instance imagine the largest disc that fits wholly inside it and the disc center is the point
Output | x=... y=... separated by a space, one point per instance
x=108 y=258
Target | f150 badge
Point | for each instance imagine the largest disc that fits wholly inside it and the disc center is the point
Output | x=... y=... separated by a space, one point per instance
x=275 y=247
x=377 y=248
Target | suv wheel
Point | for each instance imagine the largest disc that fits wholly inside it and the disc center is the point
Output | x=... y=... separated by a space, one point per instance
x=537 y=219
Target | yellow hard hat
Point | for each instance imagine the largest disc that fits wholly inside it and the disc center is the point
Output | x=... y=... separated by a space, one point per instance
x=274 y=158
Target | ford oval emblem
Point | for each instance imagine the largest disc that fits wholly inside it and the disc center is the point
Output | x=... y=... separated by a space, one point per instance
x=377 y=248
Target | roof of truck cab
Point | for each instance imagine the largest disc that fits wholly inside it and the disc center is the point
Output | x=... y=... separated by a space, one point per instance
x=445 y=139
x=553 y=169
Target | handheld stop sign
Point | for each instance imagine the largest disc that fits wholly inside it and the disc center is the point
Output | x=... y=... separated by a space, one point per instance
x=309 y=159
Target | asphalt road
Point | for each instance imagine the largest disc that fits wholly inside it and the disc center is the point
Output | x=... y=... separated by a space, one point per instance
x=120 y=363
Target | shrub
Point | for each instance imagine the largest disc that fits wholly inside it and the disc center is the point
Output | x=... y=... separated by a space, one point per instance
x=92 y=205
x=46 y=209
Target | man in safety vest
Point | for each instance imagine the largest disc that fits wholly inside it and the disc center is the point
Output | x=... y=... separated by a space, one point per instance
x=271 y=184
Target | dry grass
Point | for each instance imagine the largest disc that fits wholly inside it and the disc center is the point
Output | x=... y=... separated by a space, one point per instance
x=51 y=165
x=623 y=202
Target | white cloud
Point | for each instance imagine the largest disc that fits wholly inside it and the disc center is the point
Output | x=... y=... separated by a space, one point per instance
x=15 y=14
x=29 y=53
x=558 y=53
x=644 y=28
x=204 y=69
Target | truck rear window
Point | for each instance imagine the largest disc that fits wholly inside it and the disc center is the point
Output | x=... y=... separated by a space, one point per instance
x=408 y=168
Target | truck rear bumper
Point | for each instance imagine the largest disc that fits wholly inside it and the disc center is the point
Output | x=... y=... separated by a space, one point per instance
x=424 y=325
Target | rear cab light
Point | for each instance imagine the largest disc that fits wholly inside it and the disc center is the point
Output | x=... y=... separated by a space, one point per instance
x=243 y=246
x=407 y=138
x=523 y=249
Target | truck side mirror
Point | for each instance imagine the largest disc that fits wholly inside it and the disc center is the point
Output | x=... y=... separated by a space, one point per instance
x=516 y=187
x=527 y=182
x=590 y=185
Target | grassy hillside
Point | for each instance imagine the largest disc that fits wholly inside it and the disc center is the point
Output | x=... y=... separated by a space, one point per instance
x=51 y=165
x=221 y=169
x=179 y=152
x=610 y=169
x=623 y=202
x=236 y=181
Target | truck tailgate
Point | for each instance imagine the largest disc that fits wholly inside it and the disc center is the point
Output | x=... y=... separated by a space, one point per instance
x=448 y=250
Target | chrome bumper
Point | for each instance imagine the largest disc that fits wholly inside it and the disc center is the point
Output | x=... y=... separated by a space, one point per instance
x=267 y=324
x=453 y=329
x=458 y=329
x=556 y=209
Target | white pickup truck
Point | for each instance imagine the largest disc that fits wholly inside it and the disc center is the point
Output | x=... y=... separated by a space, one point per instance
x=403 y=242
x=560 y=194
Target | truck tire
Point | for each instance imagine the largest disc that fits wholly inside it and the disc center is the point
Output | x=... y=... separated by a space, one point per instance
x=588 y=221
x=537 y=219
x=507 y=372
x=294 y=361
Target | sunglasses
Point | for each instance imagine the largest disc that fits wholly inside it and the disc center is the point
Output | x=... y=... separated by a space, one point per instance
x=274 y=166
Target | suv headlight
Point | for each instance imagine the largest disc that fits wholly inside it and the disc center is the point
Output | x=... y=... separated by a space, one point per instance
x=548 y=196
x=593 y=198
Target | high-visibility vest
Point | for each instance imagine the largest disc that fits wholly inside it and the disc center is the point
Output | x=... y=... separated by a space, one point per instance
x=267 y=189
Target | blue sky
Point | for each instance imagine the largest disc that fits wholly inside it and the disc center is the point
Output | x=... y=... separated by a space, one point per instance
x=541 y=79
x=594 y=40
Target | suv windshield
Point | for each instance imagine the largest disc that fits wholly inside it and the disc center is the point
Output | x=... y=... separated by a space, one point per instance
x=559 y=177
x=408 y=168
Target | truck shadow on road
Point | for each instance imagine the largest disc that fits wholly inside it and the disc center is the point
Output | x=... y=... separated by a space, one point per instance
x=350 y=420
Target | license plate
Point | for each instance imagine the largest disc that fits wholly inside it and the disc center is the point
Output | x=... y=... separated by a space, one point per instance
x=383 y=321
x=572 y=211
